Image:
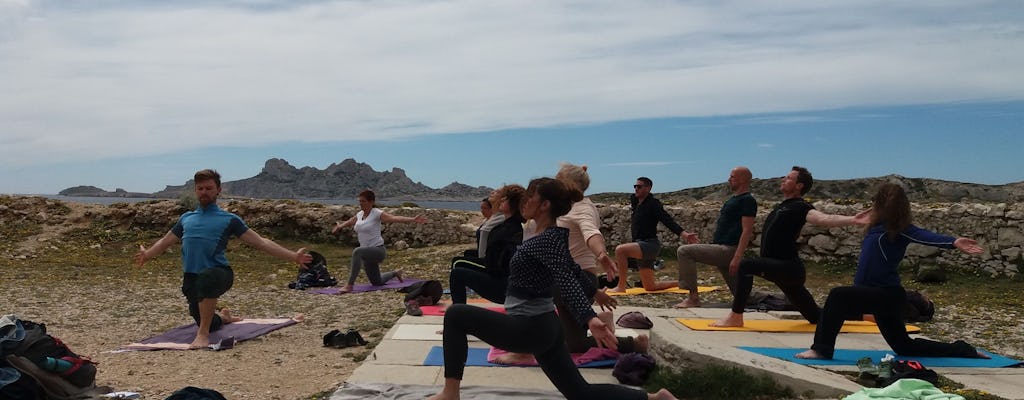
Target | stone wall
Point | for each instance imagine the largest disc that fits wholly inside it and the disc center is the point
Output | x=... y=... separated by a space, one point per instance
x=997 y=227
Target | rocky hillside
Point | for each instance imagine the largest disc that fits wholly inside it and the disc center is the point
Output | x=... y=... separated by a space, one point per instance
x=920 y=190
x=281 y=180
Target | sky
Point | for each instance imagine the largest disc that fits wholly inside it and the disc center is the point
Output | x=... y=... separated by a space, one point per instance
x=138 y=95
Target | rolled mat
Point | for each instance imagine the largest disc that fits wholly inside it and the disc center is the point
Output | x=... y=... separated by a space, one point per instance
x=783 y=325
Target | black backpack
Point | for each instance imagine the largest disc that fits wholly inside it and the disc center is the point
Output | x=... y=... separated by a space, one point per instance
x=48 y=365
x=425 y=292
x=314 y=275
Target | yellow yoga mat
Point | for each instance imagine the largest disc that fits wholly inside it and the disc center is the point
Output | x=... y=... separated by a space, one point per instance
x=784 y=325
x=640 y=290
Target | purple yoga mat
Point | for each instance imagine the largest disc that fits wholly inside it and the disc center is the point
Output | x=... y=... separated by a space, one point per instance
x=366 y=287
x=179 y=338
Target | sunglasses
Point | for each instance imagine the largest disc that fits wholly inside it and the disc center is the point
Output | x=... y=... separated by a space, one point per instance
x=638 y=186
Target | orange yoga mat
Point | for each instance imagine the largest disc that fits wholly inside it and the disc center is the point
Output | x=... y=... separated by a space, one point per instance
x=640 y=290
x=783 y=325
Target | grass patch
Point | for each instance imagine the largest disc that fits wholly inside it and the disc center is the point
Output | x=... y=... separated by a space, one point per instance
x=717 y=382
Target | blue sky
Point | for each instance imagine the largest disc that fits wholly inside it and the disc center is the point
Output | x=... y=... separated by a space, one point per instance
x=139 y=95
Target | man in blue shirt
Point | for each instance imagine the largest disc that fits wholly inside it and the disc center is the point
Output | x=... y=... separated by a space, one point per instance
x=204 y=234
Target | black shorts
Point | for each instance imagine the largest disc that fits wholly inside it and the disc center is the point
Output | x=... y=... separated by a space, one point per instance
x=650 y=249
x=210 y=283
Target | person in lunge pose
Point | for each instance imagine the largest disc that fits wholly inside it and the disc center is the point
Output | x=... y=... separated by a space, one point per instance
x=371 y=251
x=876 y=284
x=488 y=273
x=733 y=232
x=204 y=234
x=780 y=260
x=647 y=212
x=539 y=267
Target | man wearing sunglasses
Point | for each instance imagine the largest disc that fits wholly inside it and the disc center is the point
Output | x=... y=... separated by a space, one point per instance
x=647 y=212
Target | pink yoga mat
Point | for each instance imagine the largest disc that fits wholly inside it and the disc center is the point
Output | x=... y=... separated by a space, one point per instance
x=436 y=310
x=366 y=287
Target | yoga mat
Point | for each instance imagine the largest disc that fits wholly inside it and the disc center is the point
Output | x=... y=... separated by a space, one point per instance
x=850 y=357
x=640 y=290
x=592 y=355
x=366 y=287
x=784 y=325
x=477 y=357
x=429 y=332
x=436 y=310
x=179 y=338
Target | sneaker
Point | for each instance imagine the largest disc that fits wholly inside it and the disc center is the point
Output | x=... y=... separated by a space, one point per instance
x=412 y=307
x=867 y=368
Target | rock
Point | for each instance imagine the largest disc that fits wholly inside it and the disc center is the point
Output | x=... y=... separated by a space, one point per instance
x=822 y=242
x=930 y=274
x=1009 y=237
x=401 y=245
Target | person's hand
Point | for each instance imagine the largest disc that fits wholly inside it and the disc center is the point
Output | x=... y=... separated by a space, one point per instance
x=607 y=303
x=337 y=227
x=603 y=334
x=303 y=258
x=863 y=218
x=969 y=246
x=140 y=257
x=611 y=269
x=420 y=219
x=688 y=237
x=734 y=266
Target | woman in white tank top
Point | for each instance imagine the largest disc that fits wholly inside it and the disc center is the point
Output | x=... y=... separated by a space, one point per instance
x=370 y=253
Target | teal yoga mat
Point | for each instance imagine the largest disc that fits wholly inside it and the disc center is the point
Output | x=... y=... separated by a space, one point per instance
x=477 y=357
x=850 y=357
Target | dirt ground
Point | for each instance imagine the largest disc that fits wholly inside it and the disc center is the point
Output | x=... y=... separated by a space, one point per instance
x=77 y=279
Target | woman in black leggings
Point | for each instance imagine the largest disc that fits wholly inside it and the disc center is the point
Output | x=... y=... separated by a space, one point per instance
x=876 y=285
x=530 y=325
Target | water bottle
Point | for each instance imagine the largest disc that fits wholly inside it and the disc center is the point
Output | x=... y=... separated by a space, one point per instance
x=56 y=364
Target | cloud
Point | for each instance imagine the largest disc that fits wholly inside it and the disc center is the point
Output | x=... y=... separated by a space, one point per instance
x=105 y=79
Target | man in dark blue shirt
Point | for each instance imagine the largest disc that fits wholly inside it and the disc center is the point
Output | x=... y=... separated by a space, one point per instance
x=647 y=213
x=204 y=234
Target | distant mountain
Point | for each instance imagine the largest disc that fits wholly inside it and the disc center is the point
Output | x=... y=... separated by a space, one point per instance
x=92 y=191
x=919 y=190
x=281 y=180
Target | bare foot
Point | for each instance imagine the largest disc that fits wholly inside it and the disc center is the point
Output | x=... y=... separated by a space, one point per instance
x=227 y=318
x=688 y=303
x=616 y=290
x=398 y=274
x=662 y=394
x=299 y=317
x=200 y=342
x=443 y=396
x=731 y=320
x=606 y=317
x=345 y=289
x=641 y=344
x=809 y=354
x=515 y=359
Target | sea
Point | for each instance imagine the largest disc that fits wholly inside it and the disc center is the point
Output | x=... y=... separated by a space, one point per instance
x=440 y=205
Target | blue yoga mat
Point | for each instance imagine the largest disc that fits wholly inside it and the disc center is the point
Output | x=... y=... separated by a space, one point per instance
x=477 y=357
x=850 y=357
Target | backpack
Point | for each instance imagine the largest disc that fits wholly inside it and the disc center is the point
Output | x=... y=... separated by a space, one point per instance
x=425 y=292
x=314 y=275
x=902 y=369
x=48 y=368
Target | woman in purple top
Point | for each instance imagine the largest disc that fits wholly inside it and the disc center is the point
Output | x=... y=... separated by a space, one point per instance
x=876 y=286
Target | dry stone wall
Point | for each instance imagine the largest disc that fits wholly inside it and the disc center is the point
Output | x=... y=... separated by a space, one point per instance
x=998 y=227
